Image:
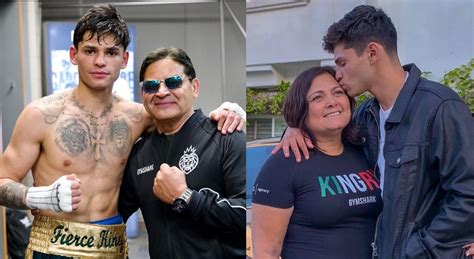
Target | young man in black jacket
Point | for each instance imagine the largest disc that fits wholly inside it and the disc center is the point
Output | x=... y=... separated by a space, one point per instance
x=186 y=177
x=418 y=133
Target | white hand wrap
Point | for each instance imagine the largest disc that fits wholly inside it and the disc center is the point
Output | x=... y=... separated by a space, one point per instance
x=56 y=197
x=233 y=107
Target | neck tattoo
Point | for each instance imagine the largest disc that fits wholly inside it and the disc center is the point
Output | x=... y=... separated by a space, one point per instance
x=83 y=108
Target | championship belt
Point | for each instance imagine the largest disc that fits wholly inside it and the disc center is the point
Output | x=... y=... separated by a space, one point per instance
x=74 y=239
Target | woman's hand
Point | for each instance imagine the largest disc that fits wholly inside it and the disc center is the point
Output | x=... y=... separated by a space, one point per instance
x=469 y=250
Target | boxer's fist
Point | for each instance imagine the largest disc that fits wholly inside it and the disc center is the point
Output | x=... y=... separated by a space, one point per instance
x=169 y=183
x=64 y=195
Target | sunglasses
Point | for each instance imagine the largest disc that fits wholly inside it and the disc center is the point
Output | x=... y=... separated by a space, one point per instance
x=152 y=86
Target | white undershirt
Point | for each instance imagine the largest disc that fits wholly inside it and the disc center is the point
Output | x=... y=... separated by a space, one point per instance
x=383 y=115
x=381 y=159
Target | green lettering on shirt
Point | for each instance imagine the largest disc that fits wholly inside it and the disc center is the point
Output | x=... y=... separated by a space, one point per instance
x=325 y=186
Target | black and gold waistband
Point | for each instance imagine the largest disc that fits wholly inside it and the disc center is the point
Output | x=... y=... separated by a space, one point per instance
x=75 y=239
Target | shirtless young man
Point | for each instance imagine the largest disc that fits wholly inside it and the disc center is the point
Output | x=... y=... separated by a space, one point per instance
x=77 y=143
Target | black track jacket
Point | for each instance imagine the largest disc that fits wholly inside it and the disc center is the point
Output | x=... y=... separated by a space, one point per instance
x=214 y=224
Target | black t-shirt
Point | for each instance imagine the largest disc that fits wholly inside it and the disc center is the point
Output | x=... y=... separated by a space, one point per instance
x=336 y=202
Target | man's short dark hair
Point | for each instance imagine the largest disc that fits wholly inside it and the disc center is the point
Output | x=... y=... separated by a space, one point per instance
x=360 y=26
x=176 y=54
x=295 y=108
x=102 y=20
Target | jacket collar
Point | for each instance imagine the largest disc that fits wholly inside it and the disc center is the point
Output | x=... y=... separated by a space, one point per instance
x=403 y=99
x=373 y=108
x=187 y=126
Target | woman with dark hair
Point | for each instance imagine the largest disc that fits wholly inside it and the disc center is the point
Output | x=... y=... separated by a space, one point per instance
x=324 y=207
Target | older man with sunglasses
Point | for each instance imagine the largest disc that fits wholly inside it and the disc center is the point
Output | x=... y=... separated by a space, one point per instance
x=194 y=205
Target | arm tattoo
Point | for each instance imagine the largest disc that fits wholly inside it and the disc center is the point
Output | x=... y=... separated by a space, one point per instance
x=55 y=99
x=13 y=195
x=51 y=115
x=52 y=106
x=135 y=114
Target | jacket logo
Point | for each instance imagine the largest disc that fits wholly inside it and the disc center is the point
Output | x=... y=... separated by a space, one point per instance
x=189 y=160
x=145 y=169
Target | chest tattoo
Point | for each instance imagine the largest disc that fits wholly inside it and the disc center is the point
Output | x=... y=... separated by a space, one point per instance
x=119 y=137
x=97 y=141
x=75 y=136
x=72 y=136
x=79 y=132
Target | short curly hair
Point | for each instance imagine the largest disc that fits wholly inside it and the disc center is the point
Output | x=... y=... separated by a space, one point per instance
x=360 y=26
x=102 y=20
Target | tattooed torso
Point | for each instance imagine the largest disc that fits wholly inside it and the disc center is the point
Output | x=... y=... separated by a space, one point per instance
x=94 y=147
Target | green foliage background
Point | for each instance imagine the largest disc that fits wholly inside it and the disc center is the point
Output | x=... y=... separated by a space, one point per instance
x=461 y=79
x=263 y=101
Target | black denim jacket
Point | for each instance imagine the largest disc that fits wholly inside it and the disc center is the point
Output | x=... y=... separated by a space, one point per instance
x=428 y=192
